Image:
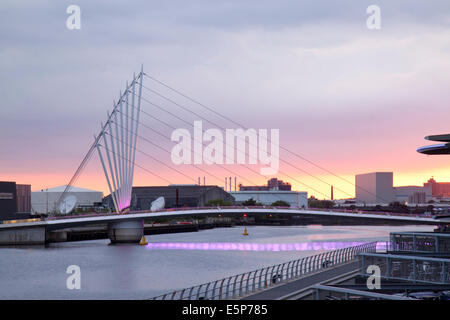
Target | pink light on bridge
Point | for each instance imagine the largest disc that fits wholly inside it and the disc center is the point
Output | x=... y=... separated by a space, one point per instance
x=236 y=246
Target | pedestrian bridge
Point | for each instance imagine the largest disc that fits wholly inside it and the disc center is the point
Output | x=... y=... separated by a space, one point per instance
x=128 y=227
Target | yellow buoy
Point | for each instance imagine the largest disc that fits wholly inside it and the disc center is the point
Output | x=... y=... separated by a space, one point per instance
x=245 y=232
x=143 y=241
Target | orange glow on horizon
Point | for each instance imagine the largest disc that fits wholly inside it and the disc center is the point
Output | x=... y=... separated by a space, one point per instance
x=95 y=180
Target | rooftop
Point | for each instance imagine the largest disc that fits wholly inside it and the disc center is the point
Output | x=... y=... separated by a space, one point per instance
x=62 y=188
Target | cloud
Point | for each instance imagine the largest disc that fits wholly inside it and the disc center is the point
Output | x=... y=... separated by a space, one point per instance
x=311 y=69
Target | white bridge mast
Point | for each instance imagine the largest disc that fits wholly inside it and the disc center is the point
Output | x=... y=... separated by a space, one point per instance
x=122 y=127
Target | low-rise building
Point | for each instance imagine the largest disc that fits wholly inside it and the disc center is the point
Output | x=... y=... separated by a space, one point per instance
x=180 y=195
x=413 y=194
x=45 y=200
x=294 y=198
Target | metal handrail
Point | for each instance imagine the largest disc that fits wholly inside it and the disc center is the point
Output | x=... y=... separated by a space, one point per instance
x=411 y=268
x=239 y=285
x=358 y=293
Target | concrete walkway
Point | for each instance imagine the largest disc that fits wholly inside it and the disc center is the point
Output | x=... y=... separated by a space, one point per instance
x=304 y=282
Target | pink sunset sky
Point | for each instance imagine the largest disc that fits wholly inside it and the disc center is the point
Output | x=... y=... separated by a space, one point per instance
x=349 y=99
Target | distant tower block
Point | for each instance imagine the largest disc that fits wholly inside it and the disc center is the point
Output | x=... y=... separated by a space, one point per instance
x=332 y=195
x=204 y=181
x=235 y=184
x=230 y=183
x=225 y=184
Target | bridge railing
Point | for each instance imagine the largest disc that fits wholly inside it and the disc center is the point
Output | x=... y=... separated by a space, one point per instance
x=420 y=242
x=249 y=282
x=418 y=269
x=97 y=214
x=335 y=293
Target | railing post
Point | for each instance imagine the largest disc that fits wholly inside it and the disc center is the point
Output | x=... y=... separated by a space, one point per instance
x=311 y=264
x=221 y=288
x=182 y=293
x=290 y=270
x=247 y=282
x=313 y=260
x=228 y=287
x=206 y=290
x=302 y=266
x=234 y=285
x=341 y=255
x=333 y=258
x=345 y=257
x=316 y=261
x=363 y=263
x=444 y=273
x=198 y=291
x=388 y=267
x=295 y=268
x=308 y=264
x=190 y=293
x=254 y=280
x=265 y=276
x=278 y=272
x=271 y=273
x=240 y=285
x=213 y=295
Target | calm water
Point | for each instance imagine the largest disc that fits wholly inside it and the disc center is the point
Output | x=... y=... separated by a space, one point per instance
x=138 y=272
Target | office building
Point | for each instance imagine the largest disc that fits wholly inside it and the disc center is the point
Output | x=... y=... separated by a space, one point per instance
x=438 y=189
x=14 y=200
x=374 y=188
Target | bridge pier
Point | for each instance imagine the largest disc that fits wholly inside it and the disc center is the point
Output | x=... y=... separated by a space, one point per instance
x=23 y=236
x=126 y=231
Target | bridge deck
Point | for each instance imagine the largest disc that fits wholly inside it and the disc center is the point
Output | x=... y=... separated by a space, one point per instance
x=65 y=222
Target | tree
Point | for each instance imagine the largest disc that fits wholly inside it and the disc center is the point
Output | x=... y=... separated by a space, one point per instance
x=251 y=203
x=280 y=203
x=322 y=204
x=218 y=202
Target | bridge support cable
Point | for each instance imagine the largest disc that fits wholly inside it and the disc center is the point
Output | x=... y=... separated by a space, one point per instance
x=168 y=151
x=244 y=127
x=244 y=151
x=235 y=147
x=222 y=166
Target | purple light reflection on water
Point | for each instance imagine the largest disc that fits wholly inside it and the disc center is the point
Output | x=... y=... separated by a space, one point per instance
x=298 y=246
